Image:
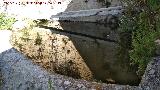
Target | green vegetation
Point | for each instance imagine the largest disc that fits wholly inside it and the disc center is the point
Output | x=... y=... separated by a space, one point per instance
x=6 y=22
x=41 y=21
x=141 y=20
x=38 y=40
x=50 y=87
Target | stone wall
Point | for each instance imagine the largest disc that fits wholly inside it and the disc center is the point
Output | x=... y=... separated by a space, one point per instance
x=76 y=5
x=45 y=10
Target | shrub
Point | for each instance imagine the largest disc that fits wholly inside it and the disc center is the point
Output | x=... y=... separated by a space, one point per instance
x=6 y=22
x=141 y=20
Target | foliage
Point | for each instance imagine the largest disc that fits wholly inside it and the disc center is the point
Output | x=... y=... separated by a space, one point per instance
x=41 y=21
x=141 y=20
x=50 y=87
x=6 y=22
x=38 y=40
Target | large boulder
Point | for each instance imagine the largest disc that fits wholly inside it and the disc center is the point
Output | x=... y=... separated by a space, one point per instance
x=151 y=77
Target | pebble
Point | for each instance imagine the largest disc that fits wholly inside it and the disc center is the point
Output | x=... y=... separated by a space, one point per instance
x=80 y=85
x=67 y=82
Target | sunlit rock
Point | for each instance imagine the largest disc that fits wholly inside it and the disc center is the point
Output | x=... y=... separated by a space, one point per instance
x=55 y=52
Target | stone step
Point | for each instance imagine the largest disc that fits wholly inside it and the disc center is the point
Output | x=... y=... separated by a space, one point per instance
x=92 y=15
x=100 y=31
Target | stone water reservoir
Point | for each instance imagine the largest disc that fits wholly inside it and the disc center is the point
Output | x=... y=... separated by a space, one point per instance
x=82 y=44
x=80 y=50
x=90 y=51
